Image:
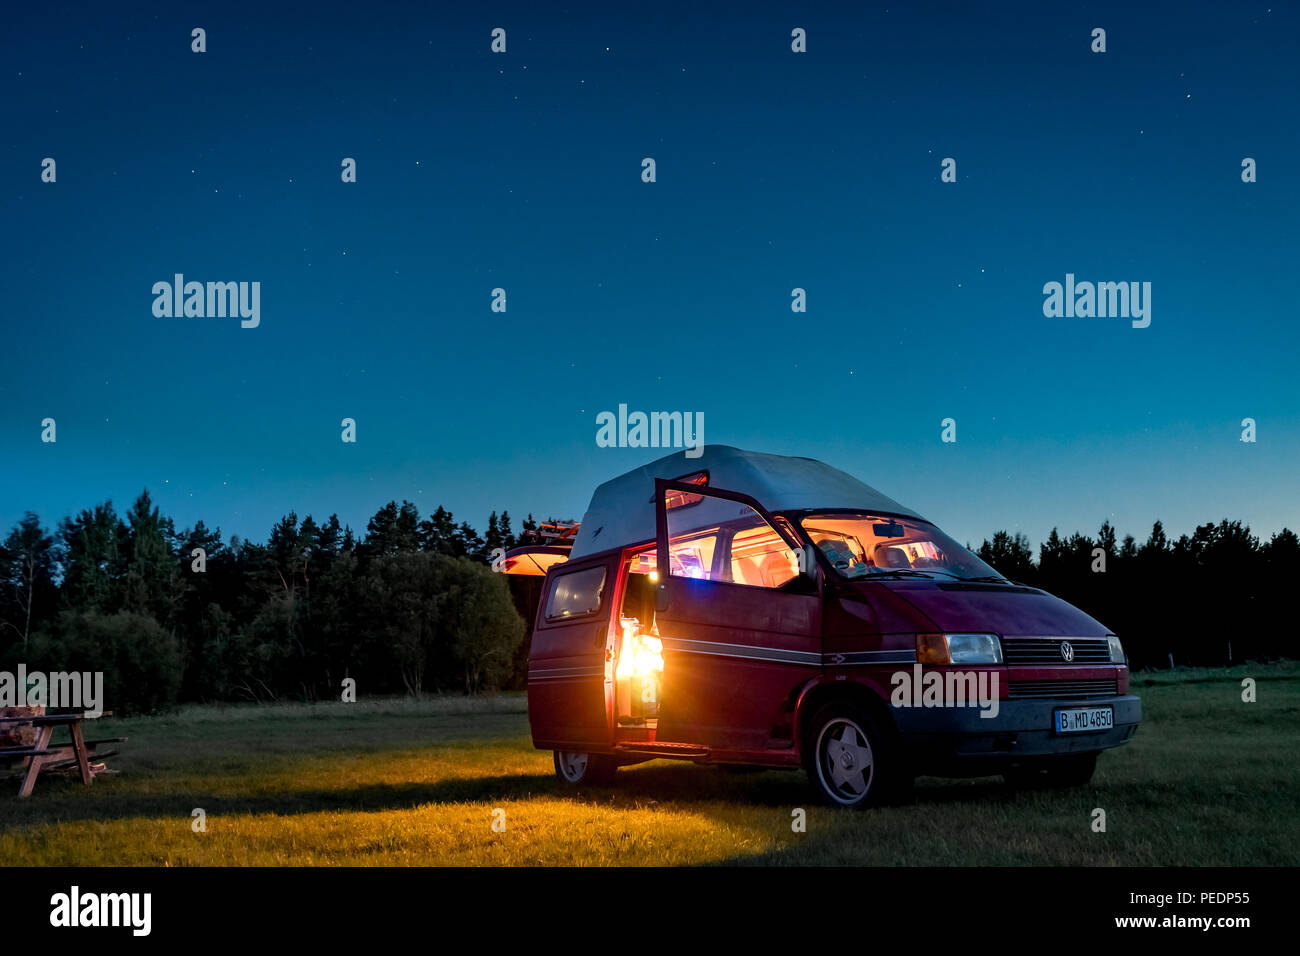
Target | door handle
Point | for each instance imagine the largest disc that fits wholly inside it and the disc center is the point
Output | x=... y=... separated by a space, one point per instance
x=602 y=632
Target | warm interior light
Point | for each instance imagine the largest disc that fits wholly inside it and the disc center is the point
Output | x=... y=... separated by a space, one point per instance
x=642 y=655
x=654 y=575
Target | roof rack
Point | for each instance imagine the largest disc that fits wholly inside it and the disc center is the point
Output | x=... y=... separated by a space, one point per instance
x=556 y=532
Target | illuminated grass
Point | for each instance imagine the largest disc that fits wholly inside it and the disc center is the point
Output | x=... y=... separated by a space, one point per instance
x=1208 y=780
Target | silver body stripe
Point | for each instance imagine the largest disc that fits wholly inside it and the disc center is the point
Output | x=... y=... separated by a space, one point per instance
x=567 y=673
x=744 y=651
x=749 y=652
x=777 y=655
x=851 y=658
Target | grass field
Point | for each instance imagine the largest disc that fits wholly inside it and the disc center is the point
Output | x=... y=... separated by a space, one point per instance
x=1208 y=780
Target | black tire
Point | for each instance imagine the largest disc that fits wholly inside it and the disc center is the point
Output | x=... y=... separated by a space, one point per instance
x=1070 y=770
x=853 y=761
x=579 y=769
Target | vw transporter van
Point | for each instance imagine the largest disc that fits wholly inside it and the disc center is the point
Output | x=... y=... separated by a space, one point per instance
x=751 y=609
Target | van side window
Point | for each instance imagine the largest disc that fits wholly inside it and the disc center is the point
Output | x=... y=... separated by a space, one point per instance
x=716 y=539
x=691 y=556
x=761 y=558
x=575 y=594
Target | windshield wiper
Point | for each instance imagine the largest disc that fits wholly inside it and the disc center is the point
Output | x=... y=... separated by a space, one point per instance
x=882 y=572
x=950 y=574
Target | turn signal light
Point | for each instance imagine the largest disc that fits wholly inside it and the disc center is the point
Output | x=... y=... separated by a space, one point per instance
x=931 y=649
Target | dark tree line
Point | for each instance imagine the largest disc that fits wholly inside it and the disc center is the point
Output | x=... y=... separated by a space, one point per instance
x=410 y=606
x=1216 y=596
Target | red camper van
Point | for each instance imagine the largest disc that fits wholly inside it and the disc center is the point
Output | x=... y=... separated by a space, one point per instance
x=744 y=608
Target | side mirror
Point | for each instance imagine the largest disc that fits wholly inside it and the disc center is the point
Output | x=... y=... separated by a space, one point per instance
x=662 y=598
x=808 y=562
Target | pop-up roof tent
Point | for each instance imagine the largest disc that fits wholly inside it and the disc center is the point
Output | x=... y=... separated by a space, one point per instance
x=622 y=510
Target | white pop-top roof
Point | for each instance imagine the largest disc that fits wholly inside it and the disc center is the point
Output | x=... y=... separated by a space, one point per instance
x=622 y=510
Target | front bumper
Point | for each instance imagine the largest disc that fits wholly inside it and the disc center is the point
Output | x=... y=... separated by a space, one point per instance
x=957 y=741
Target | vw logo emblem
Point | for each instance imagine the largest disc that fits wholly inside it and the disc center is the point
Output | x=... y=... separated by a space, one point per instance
x=1067 y=651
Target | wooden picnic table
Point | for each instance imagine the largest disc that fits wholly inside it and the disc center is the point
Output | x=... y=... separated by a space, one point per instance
x=41 y=754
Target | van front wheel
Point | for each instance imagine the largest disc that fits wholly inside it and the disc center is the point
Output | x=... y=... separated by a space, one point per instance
x=580 y=769
x=849 y=758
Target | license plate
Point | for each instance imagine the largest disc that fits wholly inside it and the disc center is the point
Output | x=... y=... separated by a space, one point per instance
x=1083 y=719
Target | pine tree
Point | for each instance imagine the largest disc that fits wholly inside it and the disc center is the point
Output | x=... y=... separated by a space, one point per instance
x=469 y=543
x=329 y=537
x=492 y=538
x=152 y=581
x=1129 y=548
x=381 y=530
x=438 y=533
x=1106 y=538
x=1008 y=555
x=1051 y=551
x=283 y=541
x=26 y=576
x=200 y=537
x=93 y=547
x=406 y=530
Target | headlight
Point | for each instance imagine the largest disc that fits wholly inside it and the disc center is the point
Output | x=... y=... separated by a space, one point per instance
x=958 y=649
x=1116 y=651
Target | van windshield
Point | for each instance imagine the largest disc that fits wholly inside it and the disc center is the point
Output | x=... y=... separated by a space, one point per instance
x=863 y=546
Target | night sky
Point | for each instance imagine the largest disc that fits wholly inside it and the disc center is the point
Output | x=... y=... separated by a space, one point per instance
x=775 y=170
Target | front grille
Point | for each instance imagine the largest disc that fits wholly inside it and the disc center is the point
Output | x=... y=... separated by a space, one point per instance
x=1048 y=650
x=1076 y=689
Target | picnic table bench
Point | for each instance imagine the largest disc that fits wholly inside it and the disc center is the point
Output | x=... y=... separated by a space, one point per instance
x=43 y=754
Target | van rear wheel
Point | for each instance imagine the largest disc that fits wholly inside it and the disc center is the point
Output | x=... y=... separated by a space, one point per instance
x=580 y=769
x=850 y=759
